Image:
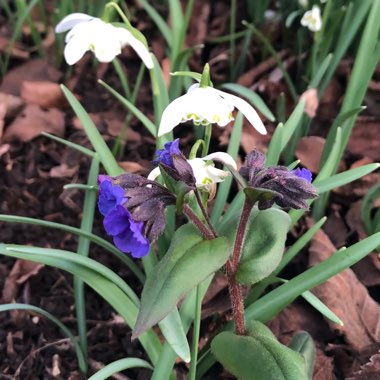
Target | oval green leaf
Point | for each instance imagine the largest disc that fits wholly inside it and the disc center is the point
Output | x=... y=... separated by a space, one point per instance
x=263 y=245
x=189 y=261
x=258 y=356
x=303 y=343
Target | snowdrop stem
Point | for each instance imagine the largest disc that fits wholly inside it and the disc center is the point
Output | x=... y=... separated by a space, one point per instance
x=114 y=5
x=207 y=139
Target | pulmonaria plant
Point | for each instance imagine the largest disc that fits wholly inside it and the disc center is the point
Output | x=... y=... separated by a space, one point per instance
x=134 y=211
x=102 y=38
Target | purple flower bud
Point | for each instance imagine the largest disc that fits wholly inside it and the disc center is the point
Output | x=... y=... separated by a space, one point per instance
x=164 y=156
x=290 y=188
x=303 y=173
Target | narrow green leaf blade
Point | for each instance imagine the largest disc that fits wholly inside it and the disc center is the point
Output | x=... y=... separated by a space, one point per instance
x=118 y=366
x=96 y=139
x=173 y=331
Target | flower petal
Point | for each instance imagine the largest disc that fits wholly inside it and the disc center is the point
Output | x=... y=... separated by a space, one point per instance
x=117 y=221
x=71 y=20
x=247 y=110
x=222 y=157
x=126 y=37
x=172 y=115
x=75 y=49
x=154 y=174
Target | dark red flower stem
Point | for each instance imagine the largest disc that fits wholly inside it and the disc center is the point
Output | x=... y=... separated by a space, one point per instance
x=232 y=266
x=205 y=213
x=207 y=234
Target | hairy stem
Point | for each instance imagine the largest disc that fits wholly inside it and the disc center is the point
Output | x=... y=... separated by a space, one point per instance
x=198 y=223
x=204 y=212
x=232 y=266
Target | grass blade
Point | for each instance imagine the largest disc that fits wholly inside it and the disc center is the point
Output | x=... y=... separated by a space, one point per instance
x=118 y=366
x=105 y=155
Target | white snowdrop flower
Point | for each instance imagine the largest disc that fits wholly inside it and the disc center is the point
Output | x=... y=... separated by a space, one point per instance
x=303 y=3
x=312 y=19
x=103 y=39
x=323 y=1
x=205 y=173
x=207 y=105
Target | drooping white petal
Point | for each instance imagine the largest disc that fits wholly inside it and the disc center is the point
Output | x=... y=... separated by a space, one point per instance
x=206 y=174
x=72 y=20
x=154 y=174
x=75 y=49
x=126 y=37
x=246 y=109
x=172 y=115
x=222 y=157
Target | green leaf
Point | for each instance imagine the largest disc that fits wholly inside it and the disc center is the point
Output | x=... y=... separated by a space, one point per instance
x=105 y=155
x=148 y=124
x=96 y=276
x=343 y=178
x=258 y=356
x=303 y=343
x=118 y=366
x=263 y=245
x=173 y=331
x=189 y=261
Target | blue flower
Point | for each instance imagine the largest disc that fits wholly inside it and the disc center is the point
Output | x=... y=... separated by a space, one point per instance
x=127 y=234
x=303 y=173
x=110 y=195
x=164 y=156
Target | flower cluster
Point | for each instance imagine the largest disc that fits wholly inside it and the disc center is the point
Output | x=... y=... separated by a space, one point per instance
x=196 y=172
x=290 y=188
x=134 y=211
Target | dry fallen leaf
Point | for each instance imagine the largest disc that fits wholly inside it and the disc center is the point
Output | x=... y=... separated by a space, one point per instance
x=368 y=371
x=364 y=139
x=132 y=167
x=33 y=70
x=13 y=104
x=21 y=272
x=34 y=120
x=368 y=270
x=44 y=93
x=309 y=151
x=348 y=298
